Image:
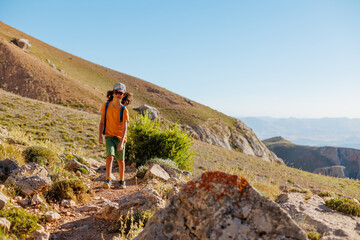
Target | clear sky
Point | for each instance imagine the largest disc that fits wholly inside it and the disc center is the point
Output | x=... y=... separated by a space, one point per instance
x=279 y=58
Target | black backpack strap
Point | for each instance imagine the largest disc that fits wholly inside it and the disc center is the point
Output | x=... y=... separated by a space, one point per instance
x=107 y=105
x=122 y=112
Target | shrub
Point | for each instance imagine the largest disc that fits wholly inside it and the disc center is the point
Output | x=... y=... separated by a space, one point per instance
x=149 y=139
x=40 y=155
x=167 y=162
x=22 y=222
x=314 y=235
x=344 y=205
x=326 y=194
x=68 y=189
x=132 y=224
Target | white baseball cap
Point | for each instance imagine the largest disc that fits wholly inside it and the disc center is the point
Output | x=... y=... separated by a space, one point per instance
x=119 y=87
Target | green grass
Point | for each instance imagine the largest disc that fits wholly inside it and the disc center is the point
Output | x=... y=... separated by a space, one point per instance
x=344 y=205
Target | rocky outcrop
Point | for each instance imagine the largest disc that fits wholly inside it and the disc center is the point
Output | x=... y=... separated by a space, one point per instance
x=155 y=171
x=30 y=178
x=221 y=206
x=314 y=214
x=324 y=160
x=143 y=200
x=335 y=171
x=242 y=138
x=22 y=43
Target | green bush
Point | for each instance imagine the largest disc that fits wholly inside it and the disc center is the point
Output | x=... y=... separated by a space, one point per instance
x=344 y=205
x=68 y=189
x=148 y=139
x=22 y=222
x=40 y=155
x=314 y=235
x=167 y=162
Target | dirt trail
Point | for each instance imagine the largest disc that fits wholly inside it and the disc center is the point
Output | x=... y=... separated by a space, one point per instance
x=83 y=225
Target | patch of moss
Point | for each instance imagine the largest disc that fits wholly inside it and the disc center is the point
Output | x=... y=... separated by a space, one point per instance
x=314 y=235
x=40 y=155
x=68 y=189
x=22 y=222
x=344 y=205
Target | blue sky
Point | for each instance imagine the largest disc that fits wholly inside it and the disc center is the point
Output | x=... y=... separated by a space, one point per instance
x=278 y=58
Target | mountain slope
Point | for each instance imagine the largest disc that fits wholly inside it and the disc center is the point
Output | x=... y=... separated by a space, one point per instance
x=325 y=160
x=49 y=74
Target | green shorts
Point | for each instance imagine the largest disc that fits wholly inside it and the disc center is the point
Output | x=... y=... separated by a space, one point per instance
x=111 y=148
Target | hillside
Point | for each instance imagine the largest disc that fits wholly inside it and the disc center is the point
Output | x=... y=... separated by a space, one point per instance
x=324 y=160
x=66 y=129
x=48 y=74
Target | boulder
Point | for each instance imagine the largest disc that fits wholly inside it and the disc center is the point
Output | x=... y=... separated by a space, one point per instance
x=7 y=166
x=74 y=165
x=3 y=200
x=221 y=206
x=155 y=171
x=30 y=178
x=36 y=199
x=22 y=43
x=143 y=200
x=314 y=214
x=152 y=112
x=40 y=234
x=88 y=208
x=5 y=224
x=68 y=203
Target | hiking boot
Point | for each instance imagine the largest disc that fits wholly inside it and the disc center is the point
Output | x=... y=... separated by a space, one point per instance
x=122 y=184
x=107 y=184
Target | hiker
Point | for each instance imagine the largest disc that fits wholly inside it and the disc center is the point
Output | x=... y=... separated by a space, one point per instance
x=114 y=124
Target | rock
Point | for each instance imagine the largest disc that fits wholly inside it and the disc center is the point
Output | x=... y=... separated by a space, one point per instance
x=74 y=165
x=143 y=200
x=36 y=199
x=30 y=178
x=51 y=216
x=7 y=166
x=30 y=169
x=27 y=75
x=3 y=200
x=88 y=208
x=40 y=234
x=152 y=112
x=5 y=224
x=221 y=206
x=68 y=203
x=314 y=214
x=93 y=163
x=30 y=185
x=22 y=43
x=334 y=171
x=155 y=171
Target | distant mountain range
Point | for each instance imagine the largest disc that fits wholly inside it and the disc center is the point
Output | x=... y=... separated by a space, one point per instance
x=331 y=161
x=337 y=132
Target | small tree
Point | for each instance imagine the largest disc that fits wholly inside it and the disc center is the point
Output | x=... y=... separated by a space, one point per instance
x=148 y=139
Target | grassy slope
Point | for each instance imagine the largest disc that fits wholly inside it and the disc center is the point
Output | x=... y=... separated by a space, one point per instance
x=72 y=129
x=172 y=106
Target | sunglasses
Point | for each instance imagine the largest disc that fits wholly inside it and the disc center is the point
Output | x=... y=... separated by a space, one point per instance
x=118 y=92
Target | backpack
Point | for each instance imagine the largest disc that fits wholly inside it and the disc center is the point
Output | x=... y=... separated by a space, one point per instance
x=121 y=114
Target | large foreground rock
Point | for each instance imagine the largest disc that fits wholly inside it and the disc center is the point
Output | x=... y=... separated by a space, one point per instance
x=221 y=206
x=145 y=199
x=30 y=178
x=314 y=214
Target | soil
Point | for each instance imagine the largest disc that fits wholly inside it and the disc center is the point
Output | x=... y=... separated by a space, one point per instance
x=84 y=225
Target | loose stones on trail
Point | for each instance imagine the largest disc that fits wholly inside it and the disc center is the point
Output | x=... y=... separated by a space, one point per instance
x=221 y=206
x=314 y=214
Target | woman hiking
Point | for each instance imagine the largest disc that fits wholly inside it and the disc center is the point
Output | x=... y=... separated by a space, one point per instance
x=114 y=124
